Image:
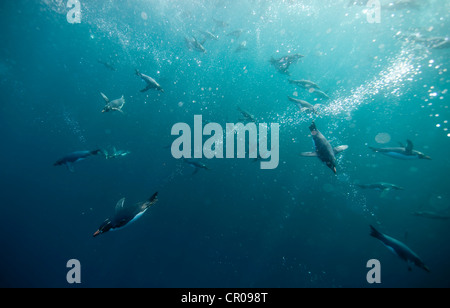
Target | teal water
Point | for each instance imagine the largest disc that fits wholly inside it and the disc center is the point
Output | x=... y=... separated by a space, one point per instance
x=298 y=225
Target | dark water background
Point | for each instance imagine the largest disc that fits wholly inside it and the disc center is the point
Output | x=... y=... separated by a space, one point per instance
x=235 y=225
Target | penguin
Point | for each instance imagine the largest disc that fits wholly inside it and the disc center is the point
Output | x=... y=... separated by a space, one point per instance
x=444 y=43
x=123 y=216
x=115 y=105
x=220 y=23
x=429 y=42
x=236 y=33
x=402 y=152
x=196 y=165
x=242 y=46
x=383 y=187
x=305 y=84
x=282 y=64
x=399 y=249
x=324 y=151
x=74 y=157
x=304 y=106
x=432 y=215
x=151 y=83
x=208 y=35
x=247 y=116
x=116 y=153
x=320 y=94
x=194 y=44
x=107 y=65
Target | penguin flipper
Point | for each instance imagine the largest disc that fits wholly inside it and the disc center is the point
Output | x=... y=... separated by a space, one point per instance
x=117 y=109
x=340 y=149
x=70 y=167
x=119 y=205
x=146 y=88
x=409 y=147
x=105 y=97
x=375 y=233
x=154 y=198
x=308 y=154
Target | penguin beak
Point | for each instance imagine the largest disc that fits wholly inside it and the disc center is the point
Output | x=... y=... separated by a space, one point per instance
x=334 y=170
x=97 y=233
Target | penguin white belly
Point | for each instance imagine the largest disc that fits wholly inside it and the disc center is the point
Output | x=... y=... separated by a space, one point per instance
x=391 y=249
x=136 y=218
x=131 y=221
x=401 y=156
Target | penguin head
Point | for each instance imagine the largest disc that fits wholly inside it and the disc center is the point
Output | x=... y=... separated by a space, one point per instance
x=106 y=109
x=332 y=166
x=426 y=268
x=104 y=227
x=423 y=156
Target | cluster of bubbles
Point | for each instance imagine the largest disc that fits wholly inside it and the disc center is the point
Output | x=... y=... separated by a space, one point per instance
x=383 y=138
x=74 y=126
x=391 y=80
x=307 y=276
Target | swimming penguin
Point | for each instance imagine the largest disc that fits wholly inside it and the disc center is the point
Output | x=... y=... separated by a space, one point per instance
x=151 y=83
x=383 y=187
x=320 y=93
x=196 y=165
x=402 y=152
x=430 y=214
x=107 y=65
x=74 y=157
x=236 y=34
x=242 y=46
x=305 y=84
x=194 y=44
x=429 y=42
x=432 y=42
x=324 y=151
x=115 y=105
x=208 y=35
x=220 y=23
x=247 y=116
x=123 y=216
x=399 y=249
x=116 y=153
x=282 y=64
x=442 y=44
x=304 y=106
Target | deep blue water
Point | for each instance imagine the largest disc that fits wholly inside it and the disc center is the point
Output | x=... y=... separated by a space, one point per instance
x=298 y=225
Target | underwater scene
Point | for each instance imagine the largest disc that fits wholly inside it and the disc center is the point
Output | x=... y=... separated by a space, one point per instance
x=225 y=144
